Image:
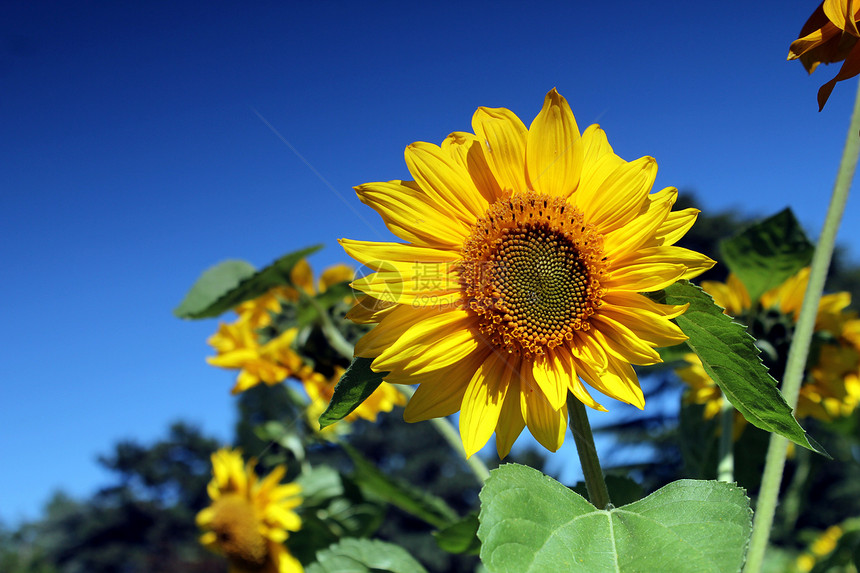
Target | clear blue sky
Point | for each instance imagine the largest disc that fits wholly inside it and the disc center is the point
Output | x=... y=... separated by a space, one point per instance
x=131 y=158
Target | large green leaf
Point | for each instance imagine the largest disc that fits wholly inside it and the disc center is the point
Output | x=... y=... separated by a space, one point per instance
x=767 y=253
x=364 y=556
x=532 y=523
x=226 y=285
x=409 y=498
x=353 y=388
x=213 y=284
x=731 y=359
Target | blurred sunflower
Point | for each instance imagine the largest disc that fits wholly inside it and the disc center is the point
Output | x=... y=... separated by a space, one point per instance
x=832 y=387
x=830 y=35
x=249 y=519
x=270 y=358
x=526 y=253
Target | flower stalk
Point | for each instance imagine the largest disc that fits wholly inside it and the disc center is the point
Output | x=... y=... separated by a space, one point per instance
x=598 y=495
x=776 y=453
x=726 y=467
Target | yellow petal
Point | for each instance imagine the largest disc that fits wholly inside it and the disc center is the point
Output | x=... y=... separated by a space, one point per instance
x=389 y=330
x=302 y=276
x=445 y=180
x=335 y=274
x=654 y=329
x=437 y=341
x=467 y=150
x=842 y=14
x=850 y=68
x=546 y=424
x=642 y=228
x=620 y=197
x=511 y=422
x=482 y=402
x=411 y=215
x=551 y=377
x=599 y=161
x=504 y=138
x=621 y=342
x=554 y=149
x=369 y=310
x=675 y=226
x=440 y=393
x=375 y=254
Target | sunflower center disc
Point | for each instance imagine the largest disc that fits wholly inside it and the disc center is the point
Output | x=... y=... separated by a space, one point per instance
x=237 y=527
x=531 y=271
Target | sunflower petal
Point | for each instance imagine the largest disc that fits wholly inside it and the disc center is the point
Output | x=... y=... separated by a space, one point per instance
x=467 y=150
x=445 y=180
x=439 y=340
x=554 y=149
x=411 y=215
x=482 y=402
x=504 y=137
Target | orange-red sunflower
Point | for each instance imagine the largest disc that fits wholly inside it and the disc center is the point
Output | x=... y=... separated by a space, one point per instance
x=526 y=252
x=830 y=35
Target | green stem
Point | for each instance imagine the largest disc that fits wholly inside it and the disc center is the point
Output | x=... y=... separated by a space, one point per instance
x=330 y=331
x=452 y=436
x=775 y=460
x=726 y=467
x=598 y=495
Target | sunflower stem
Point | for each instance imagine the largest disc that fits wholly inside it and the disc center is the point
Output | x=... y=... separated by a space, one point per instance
x=797 y=354
x=726 y=467
x=330 y=331
x=598 y=495
x=452 y=436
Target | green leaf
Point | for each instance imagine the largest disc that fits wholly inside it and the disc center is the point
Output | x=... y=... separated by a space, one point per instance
x=364 y=556
x=410 y=499
x=460 y=537
x=731 y=359
x=767 y=253
x=333 y=507
x=532 y=523
x=353 y=388
x=214 y=283
x=226 y=285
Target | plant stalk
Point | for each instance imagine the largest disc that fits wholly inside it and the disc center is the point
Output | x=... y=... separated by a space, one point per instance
x=726 y=467
x=452 y=436
x=598 y=495
x=775 y=460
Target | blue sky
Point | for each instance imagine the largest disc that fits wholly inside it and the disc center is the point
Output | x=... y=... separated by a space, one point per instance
x=135 y=151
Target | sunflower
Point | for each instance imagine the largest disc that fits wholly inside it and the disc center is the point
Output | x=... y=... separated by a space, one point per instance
x=249 y=519
x=830 y=35
x=240 y=345
x=526 y=252
x=832 y=387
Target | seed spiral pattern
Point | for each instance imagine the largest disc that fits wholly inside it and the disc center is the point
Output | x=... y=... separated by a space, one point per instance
x=531 y=271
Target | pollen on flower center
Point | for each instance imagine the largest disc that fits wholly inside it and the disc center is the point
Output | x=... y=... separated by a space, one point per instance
x=237 y=527
x=531 y=272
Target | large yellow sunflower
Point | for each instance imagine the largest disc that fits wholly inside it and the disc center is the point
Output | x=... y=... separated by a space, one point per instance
x=526 y=252
x=249 y=519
